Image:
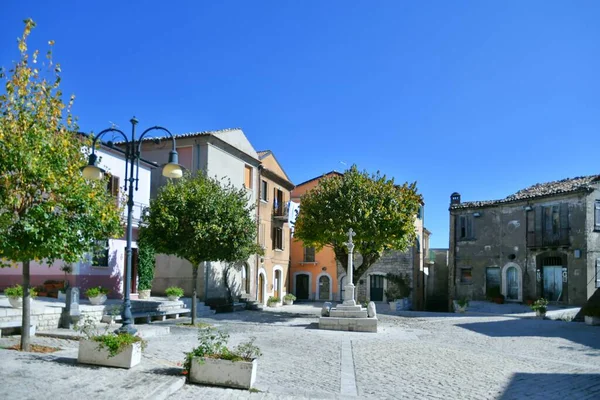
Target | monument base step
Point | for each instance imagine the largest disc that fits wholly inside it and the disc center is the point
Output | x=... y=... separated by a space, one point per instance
x=336 y=312
x=342 y=307
x=348 y=324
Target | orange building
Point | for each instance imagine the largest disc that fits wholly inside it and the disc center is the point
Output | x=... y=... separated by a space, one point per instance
x=313 y=275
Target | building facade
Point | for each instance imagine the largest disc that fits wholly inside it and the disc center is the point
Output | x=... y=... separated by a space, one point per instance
x=543 y=241
x=314 y=274
x=228 y=156
x=273 y=229
x=106 y=267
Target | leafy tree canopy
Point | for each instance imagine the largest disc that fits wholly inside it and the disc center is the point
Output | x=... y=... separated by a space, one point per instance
x=380 y=212
x=47 y=209
x=199 y=220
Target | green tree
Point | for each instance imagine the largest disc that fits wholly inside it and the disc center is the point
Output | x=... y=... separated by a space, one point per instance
x=380 y=212
x=47 y=210
x=199 y=220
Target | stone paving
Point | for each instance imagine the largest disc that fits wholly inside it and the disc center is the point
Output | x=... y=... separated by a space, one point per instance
x=427 y=356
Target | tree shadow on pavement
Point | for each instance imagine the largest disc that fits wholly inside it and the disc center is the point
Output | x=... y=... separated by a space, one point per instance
x=573 y=331
x=166 y=371
x=552 y=386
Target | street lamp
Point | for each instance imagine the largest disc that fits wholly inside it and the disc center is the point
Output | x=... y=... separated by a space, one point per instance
x=92 y=171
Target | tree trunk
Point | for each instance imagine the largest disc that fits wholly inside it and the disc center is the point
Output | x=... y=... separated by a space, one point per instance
x=26 y=317
x=194 y=294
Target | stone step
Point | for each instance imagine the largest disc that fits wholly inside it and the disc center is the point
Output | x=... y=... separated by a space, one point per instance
x=347 y=314
x=348 y=324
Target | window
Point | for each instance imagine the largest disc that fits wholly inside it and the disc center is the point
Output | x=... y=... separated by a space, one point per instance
x=309 y=254
x=597 y=215
x=113 y=187
x=465 y=229
x=418 y=244
x=466 y=275
x=420 y=212
x=248 y=177
x=548 y=225
x=264 y=194
x=100 y=254
x=598 y=272
x=278 y=238
x=278 y=202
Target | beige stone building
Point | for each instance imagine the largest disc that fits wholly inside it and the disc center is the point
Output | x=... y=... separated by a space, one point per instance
x=273 y=228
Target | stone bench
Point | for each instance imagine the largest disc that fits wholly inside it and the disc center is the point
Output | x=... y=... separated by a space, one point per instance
x=147 y=317
x=16 y=325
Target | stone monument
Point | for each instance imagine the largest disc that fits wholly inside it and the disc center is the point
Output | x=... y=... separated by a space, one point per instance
x=349 y=316
x=70 y=313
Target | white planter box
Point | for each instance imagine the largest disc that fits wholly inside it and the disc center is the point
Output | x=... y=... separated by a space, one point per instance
x=90 y=354
x=144 y=294
x=233 y=374
x=98 y=300
x=173 y=298
x=592 y=320
x=392 y=305
x=288 y=302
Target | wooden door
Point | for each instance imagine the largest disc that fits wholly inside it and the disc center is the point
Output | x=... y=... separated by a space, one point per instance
x=376 y=282
x=302 y=289
x=261 y=288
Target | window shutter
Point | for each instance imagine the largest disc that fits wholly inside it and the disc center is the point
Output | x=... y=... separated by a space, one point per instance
x=274 y=237
x=597 y=215
x=598 y=272
x=539 y=225
x=564 y=223
x=469 y=221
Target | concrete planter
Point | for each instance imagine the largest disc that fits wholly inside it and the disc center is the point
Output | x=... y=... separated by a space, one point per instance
x=89 y=353
x=273 y=304
x=540 y=314
x=592 y=320
x=392 y=305
x=288 y=302
x=16 y=302
x=98 y=300
x=458 y=308
x=173 y=298
x=144 y=294
x=234 y=374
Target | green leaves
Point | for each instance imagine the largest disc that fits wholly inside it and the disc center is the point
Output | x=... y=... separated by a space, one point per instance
x=199 y=219
x=47 y=210
x=381 y=213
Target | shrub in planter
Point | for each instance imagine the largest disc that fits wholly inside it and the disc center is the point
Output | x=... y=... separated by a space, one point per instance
x=97 y=295
x=288 y=299
x=15 y=295
x=591 y=315
x=273 y=301
x=174 y=293
x=462 y=304
x=213 y=363
x=110 y=349
x=540 y=306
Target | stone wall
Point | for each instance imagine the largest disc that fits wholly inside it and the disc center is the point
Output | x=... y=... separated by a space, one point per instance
x=437 y=281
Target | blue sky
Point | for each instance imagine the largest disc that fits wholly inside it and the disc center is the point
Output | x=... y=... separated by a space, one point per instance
x=483 y=98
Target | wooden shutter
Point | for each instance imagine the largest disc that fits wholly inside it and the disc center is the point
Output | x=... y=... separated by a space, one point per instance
x=248 y=177
x=274 y=237
x=539 y=219
x=598 y=272
x=597 y=215
x=469 y=221
x=564 y=223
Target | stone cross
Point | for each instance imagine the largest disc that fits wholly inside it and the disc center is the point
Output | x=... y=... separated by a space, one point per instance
x=349 y=288
x=70 y=313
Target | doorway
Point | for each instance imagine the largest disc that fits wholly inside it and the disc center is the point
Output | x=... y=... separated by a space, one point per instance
x=324 y=288
x=512 y=283
x=302 y=286
x=277 y=284
x=376 y=286
x=553 y=283
x=261 y=288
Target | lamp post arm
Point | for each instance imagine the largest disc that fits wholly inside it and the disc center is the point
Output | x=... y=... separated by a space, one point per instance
x=98 y=136
x=160 y=128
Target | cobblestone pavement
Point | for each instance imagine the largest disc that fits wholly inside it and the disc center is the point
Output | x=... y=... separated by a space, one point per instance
x=442 y=356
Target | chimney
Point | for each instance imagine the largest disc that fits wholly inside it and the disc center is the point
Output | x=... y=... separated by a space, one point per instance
x=455 y=198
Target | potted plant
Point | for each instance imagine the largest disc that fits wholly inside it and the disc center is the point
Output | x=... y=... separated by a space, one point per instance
x=540 y=306
x=288 y=299
x=273 y=301
x=15 y=295
x=213 y=363
x=97 y=295
x=392 y=294
x=122 y=350
x=591 y=315
x=174 y=293
x=461 y=305
x=146 y=262
x=400 y=283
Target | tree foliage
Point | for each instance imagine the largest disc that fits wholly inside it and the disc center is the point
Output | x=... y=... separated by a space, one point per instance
x=146 y=263
x=199 y=219
x=47 y=210
x=380 y=212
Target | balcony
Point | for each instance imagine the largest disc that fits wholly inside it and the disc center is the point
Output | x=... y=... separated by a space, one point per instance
x=281 y=211
x=137 y=212
x=548 y=239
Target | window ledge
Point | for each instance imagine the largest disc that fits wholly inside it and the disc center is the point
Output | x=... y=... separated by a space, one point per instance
x=308 y=263
x=278 y=249
x=264 y=201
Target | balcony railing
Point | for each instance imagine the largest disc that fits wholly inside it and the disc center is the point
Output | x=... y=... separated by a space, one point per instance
x=137 y=212
x=548 y=239
x=281 y=210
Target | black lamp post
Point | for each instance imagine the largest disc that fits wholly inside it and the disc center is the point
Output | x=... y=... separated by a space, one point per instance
x=132 y=162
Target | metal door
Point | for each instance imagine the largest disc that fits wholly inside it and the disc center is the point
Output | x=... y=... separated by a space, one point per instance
x=553 y=283
x=324 y=288
x=376 y=283
x=512 y=283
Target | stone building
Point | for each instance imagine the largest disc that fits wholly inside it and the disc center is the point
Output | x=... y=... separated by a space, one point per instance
x=436 y=281
x=542 y=241
x=274 y=230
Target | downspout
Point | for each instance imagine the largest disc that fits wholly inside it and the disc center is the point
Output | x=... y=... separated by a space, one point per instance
x=260 y=168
